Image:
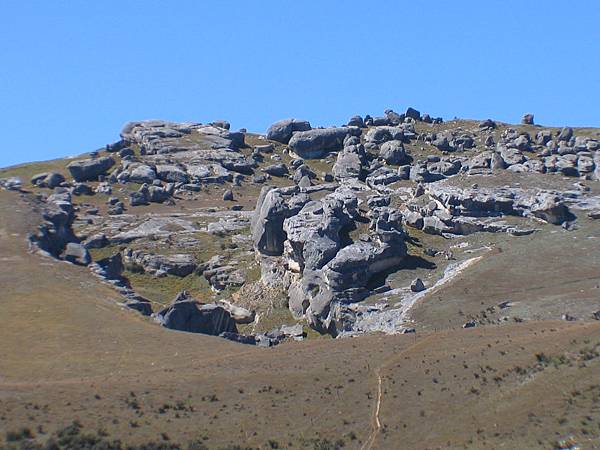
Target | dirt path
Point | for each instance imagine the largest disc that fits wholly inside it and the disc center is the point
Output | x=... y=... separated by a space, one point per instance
x=376 y=422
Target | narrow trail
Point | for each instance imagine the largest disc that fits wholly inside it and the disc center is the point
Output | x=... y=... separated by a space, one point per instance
x=376 y=422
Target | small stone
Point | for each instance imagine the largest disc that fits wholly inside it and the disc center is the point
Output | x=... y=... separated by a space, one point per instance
x=417 y=285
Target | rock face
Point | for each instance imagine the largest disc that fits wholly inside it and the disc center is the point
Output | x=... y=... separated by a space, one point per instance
x=392 y=152
x=271 y=210
x=90 y=169
x=77 y=254
x=326 y=267
x=330 y=235
x=350 y=162
x=187 y=314
x=283 y=130
x=49 y=180
x=159 y=265
x=527 y=119
x=551 y=209
x=313 y=144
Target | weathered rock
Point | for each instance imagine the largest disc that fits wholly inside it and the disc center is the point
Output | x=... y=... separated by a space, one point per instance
x=77 y=254
x=171 y=173
x=140 y=197
x=283 y=130
x=511 y=156
x=303 y=171
x=543 y=137
x=417 y=285
x=180 y=265
x=313 y=233
x=221 y=275
x=565 y=134
x=356 y=121
x=527 y=119
x=276 y=170
x=267 y=224
x=349 y=163
x=313 y=144
x=90 y=169
x=487 y=124
x=238 y=314
x=48 y=180
x=187 y=314
x=393 y=152
x=413 y=114
x=434 y=225
x=142 y=174
x=551 y=209
x=228 y=195
x=96 y=241
x=379 y=135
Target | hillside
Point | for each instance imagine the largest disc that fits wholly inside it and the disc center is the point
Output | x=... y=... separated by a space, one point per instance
x=394 y=282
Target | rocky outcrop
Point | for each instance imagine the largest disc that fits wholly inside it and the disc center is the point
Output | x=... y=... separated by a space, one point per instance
x=47 y=179
x=187 y=314
x=180 y=265
x=220 y=274
x=90 y=169
x=313 y=144
x=272 y=208
x=283 y=130
x=350 y=162
x=77 y=254
x=326 y=267
x=56 y=231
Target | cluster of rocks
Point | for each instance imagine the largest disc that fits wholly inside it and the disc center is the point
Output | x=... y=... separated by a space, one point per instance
x=220 y=318
x=324 y=265
x=55 y=236
x=441 y=209
x=180 y=265
x=325 y=238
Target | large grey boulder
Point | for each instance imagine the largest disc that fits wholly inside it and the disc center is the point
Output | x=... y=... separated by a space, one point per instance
x=392 y=152
x=512 y=156
x=313 y=144
x=220 y=274
x=187 y=314
x=527 y=119
x=142 y=174
x=379 y=135
x=282 y=131
x=276 y=170
x=567 y=165
x=313 y=234
x=77 y=254
x=90 y=169
x=179 y=265
x=272 y=209
x=551 y=208
x=413 y=114
x=565 y=134
x=47 y=179
x=349 y=163
x=171 y=173
x=139 y=197
x=356 y=121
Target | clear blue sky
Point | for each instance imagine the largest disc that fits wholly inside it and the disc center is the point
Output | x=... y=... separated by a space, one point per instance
x=72 y=72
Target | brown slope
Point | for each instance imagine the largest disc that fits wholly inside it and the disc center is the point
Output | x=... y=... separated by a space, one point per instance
x=70 y=352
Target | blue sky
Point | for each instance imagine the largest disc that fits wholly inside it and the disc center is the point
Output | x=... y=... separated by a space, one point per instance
x=73 y=72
